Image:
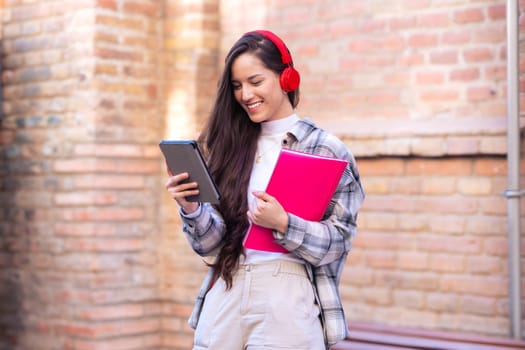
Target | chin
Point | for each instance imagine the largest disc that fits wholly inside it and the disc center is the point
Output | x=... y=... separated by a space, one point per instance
x=257 y=118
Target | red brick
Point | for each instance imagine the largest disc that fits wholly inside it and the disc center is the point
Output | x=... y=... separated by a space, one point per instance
x=74 y=165
x=178 y=340
x=141 y=8
x=118 y=22
x=422 y=40
x=494 y=206
x=475 y=285
x=434 y=20
x=413 y=261
x=381 y=167
x=360 y=276
x=351 y=64
x=380 y=259
x=471 y=15
x=104 y=245
x=362 y=46
x=401 y=23
x=107 y=4
x=430 y=78
x=109 y=182
x=478 y=305
x=105 y=214
x=496 y=246
x=436 y=186
x=411 y=59
x=409 y=299
x=83 y=198
x=450 y=244
x=396 y=78
x=84 y=229
x=115 y=150
x=406 y=186
x=490 y=166
x=415 y=4
x=432 y=96
x=445 y=167
x=480 y=54
x=442 y=302
x=498 y=72
x=377 y=296
x=475 y=187
x=486 y=265
x=448 y=224
x=465 y=74
x=456 y=37
x=372 y=25
x=376 y=241
x=497 y=12
x=444 y=57
x=446 y=263
x=340 y=29
x=492 y=34
x=480 y=93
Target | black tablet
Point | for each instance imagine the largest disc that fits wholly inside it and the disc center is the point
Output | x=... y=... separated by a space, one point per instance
x=185 y=156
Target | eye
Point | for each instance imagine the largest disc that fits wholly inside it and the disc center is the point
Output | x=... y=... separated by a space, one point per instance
x=236 y=86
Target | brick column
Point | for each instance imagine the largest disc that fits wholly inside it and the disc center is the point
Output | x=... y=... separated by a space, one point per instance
x=80 y=175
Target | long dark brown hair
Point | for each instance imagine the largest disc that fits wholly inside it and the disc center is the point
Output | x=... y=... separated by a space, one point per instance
x=229 y=141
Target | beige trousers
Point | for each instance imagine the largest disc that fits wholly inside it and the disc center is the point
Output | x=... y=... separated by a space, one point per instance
x=270 y=306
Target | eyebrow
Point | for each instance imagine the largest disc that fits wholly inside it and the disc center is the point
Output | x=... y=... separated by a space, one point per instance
x=251 y=77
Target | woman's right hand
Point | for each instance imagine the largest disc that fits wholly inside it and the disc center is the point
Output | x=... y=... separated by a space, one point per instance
x=179 y=191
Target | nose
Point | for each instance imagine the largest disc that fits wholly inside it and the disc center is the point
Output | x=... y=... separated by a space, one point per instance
x=246 y=92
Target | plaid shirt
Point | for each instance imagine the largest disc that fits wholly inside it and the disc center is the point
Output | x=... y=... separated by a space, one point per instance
x=322 y=245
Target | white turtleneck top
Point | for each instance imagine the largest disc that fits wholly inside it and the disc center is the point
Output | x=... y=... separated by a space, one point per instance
x=268 y=147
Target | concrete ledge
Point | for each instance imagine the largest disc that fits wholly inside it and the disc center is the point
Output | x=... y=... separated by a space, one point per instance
x=437 y=137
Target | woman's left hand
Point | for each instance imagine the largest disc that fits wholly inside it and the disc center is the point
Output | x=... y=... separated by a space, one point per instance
x=268 y=212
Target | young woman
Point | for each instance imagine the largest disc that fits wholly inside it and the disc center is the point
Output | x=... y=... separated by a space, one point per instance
x=253 y=299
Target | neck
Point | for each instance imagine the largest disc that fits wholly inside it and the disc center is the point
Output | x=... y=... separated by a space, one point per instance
x=278 y=126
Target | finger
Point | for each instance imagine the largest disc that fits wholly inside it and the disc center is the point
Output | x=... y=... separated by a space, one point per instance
x=176 y=179
x=180 y=195
x=262 y=196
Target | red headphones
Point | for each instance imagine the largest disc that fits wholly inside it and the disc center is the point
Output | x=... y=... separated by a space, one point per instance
x=290 y=78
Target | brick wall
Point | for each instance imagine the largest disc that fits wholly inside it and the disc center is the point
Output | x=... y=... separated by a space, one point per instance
x=80 y=175
x=91 y=255
x=432 y=251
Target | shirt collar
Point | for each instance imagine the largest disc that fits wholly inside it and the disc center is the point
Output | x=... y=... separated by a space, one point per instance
x=301 y=129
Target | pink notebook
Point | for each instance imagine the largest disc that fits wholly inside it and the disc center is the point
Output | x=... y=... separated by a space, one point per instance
x=304 y=184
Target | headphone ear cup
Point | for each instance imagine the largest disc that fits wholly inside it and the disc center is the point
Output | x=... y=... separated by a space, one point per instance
x=290 y=79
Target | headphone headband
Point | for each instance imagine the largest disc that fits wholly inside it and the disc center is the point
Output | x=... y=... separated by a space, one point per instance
x=290 y=78
x=286 y=58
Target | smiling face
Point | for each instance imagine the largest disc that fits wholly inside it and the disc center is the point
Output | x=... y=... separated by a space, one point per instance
x=257 y=89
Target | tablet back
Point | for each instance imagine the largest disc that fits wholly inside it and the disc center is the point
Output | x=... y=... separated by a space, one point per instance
x=184 y=156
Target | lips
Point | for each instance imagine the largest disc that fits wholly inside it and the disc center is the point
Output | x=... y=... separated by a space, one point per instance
x=253 y=106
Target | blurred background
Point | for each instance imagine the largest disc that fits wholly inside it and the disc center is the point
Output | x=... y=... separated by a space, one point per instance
x=91 y=251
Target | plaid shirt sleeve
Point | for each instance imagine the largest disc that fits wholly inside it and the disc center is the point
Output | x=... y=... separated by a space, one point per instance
x=204 y=229
x=324 y=242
